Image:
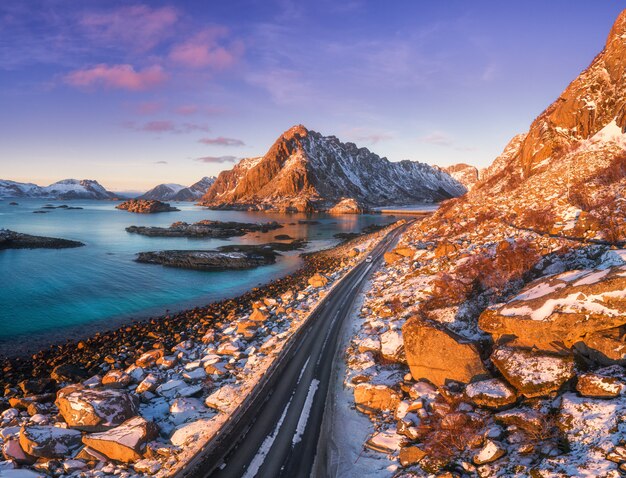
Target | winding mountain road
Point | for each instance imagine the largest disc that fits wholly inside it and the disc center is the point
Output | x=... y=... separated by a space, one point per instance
x=278 y=435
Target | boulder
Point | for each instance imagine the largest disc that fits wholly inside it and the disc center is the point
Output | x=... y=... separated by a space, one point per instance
x=116 y=379
x=223 y=398
x=605 y=347
x=599 y=386
x=438 y=356
x=391 y=257
x=492 y=393
x=560 y=310
x=392 y=347
x=491 y=451
x=148 y=384
x=125 y=443
x=68 y=372
x=49 y=442
x=533 y=374
x=12 y=450
x=347 y=206
x=372 y=399
x=94 y=410
x=411 y=455
x=258 y=315
x=36 y=386
x=404 y=251
x=445 y=249
x=318 y=280
x=149 y=358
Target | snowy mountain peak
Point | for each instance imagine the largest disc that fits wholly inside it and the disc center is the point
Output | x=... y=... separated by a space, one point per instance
x=305 y=170
x=64 y=189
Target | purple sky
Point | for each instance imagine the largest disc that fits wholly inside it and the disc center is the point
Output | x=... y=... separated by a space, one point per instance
x=135 y=94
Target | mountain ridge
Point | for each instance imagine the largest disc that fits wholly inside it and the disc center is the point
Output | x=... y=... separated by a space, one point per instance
x=65 y=189
x=305 y=171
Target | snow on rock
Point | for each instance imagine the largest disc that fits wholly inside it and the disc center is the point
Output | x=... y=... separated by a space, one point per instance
x=93 y=409
x=125 y=443
x=49 y=442
x=492 y=393
x=533 y=374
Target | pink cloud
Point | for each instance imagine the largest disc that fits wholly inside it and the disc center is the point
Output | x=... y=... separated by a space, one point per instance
x=166 y=126
x=221 y=141
x=207 y=49
x=187 y=110
x=123 y=77
x=138 y=27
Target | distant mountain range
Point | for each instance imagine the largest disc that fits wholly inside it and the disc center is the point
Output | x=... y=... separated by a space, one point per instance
x=65 y=189
x=305 y=171
x=178 y=192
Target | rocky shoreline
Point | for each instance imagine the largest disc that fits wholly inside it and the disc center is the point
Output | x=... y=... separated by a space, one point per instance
x=206 y=228
x=16 y=240
x=209 y=260
x=163 y=385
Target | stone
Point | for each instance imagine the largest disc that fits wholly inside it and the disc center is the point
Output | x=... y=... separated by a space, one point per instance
x=149 y=358
x=116 y=379
x=411 y=455
x=392 y=347
x=490 y=452
x=318 y=280
x=145 y=206
x=125 y=443
x=148 y=384
x=12 y=450
x=560 y=310
x=36 y=386
x=347 y=206
x=404 y=251
x=599 y=386
x=95 y=410
x=605 y=347
x=258 y=315
x=445 y=249
x=438 y=356
x=223 y=398
x=492 y=393
x=526 y=419
x=533 y=374
x=372 y=399
x=49 y=442
x=68 y=372
x=391 y=257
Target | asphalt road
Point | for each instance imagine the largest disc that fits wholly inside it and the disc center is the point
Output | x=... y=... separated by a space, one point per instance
x=279 y=435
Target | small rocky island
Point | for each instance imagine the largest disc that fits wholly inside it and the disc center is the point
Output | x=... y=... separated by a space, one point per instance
x=145 y=206
x=206 y=228
x=16 y=240
x=231 y=257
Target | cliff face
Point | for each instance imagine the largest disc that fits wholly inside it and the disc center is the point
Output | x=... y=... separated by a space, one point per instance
x=590 y=102
x=466 y=174
x=304 y=169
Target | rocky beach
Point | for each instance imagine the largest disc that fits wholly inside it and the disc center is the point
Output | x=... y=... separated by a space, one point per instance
x=15 y=240
x=167 y=382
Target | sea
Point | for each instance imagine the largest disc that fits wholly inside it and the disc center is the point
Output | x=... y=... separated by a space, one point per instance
x=51 y=295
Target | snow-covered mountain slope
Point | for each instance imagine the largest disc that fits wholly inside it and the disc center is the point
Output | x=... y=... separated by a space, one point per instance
x=304 y=170
x=162 y=192
x=466 y=174
x=65 y=189
x=196 y=190
x=179 y=192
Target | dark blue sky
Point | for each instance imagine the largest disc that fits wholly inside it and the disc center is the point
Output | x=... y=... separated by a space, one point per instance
x=133 y=94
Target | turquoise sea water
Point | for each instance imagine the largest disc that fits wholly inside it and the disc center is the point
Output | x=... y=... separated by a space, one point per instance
x=50 y=295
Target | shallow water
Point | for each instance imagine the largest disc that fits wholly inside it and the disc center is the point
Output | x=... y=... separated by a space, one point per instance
x=48 y=295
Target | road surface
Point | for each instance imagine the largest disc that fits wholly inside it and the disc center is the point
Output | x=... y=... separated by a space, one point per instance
x=279 y=436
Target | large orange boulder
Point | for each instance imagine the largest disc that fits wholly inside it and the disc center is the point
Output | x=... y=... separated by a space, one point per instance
x=125 y=443
x=437 y=355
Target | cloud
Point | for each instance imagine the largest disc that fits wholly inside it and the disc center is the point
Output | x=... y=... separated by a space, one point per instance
x=186 y=110
x=367 y=136
x=437 y=138
x=286 y=86
x=123 y=77
x=166 y=126
x=221 y=141
x=217 y=159
x=160 y=162
x=136 y=27
x=207 y=49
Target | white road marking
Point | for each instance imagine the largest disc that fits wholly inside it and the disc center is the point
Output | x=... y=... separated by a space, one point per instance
x=303 y=369
x=306 y=411
x=266 y=446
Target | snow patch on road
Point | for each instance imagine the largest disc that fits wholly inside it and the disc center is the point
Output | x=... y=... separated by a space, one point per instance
x=306 y=411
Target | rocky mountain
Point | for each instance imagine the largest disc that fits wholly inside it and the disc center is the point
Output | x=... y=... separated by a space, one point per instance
x=65 y=189
x=466 y=174
x=178 y=192
x=514 y=292
x=305 y=171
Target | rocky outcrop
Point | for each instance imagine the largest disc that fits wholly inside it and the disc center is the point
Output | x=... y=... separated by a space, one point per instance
x=95 y=410
x=209 y=260
x=305 y=171
x=347 y=206
x=437 y=356
x=561 y=311
x=15 y=240
x=125 y=443
x=145 y=206
x=375 y=398
x=205 y=228
x=178 y=192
